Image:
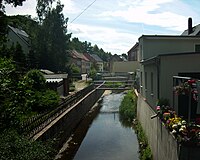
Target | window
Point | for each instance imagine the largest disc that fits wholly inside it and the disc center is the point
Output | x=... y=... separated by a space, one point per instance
x=145 y=81
x=141 y=79
x=141 y=83
x=197 y=47
x=151 y=83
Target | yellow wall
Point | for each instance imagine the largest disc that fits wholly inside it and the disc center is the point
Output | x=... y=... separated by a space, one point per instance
x=128 y=66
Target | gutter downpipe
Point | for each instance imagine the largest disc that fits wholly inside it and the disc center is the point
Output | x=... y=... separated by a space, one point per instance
x=158 y=76
x=158 y=93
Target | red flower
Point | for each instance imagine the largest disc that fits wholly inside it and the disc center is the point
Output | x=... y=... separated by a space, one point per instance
x=191 y=81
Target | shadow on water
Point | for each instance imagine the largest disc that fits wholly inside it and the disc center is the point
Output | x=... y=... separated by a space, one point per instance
x=72 y=145
x=124 y=122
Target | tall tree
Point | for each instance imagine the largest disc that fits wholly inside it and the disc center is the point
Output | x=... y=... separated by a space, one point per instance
x=76 y=44
x=43 y=7
x=13 y=2
x=53 y=40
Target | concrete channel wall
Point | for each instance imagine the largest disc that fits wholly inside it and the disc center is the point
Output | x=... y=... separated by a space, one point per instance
x=64 y=125
x=163 y=145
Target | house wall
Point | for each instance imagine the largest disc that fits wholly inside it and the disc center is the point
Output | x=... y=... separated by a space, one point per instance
x=83 y=66
x=133 y=54
x=150 y=81
x=100 y=66
x=13 y=39
x=77 y=62
x=151 y=47
x=127 y=66
x=172 y=65
x=163 y=145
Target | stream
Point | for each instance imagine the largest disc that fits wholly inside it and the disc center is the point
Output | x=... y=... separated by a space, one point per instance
x=103 y=136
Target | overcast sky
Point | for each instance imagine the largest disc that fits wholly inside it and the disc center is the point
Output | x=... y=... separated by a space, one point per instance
x=116 y=25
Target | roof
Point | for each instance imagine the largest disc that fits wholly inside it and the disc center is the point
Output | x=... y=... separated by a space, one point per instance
x=75 y=54
x=195 y=31
x=115 y=57
x=54 y=80
x=20 y=33
x=169 y=37
x=123 y=58
x=45 y=71
x=78 y=55
x=55 y=76
x=169 y=54
x=87 y=55
x=134 y=47
x=83 y=57
x=96 y=58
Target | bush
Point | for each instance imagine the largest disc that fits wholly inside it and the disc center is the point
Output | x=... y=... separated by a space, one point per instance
x=113 y=84
x=42 y=101
x=72 y=88
x=93 y=73
x=35 y=80
x=163 y=101
x=128 y=107
x=74 y=68
x=14 y=146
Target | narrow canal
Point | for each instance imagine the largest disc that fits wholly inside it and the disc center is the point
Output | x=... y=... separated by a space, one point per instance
x=106 y=137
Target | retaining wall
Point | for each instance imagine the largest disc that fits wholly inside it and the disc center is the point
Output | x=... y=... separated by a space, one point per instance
x=64 y=125
x=163 y=145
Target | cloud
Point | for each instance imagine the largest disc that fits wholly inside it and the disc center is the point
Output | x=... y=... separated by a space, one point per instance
x=115 y=25
x=70 y=7
x=111 y=40
x=149 y=13
x=28 y=8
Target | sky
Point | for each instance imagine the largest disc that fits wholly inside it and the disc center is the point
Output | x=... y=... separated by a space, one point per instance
x=116 y=25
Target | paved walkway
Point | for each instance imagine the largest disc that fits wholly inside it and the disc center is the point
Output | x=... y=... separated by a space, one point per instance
x=79 y=85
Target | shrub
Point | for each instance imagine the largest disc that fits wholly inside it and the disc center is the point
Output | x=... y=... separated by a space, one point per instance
x=127 y=108
x=74 y=68
x=163 y=101
x=42 y=101
x=93 y=73
x=14 y=146
x=35 y=80
x=145 y=151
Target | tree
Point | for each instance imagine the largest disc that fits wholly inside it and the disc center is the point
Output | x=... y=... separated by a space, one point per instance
x=15 y=146
x=76 y=44
x=3 y=28
x=8 y=84
x=15 y=3
x=43 y=8
x=53 y=40
x=125 y=55
x=18 y=56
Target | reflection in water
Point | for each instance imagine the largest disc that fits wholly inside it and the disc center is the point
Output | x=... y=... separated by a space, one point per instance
x=111 y=102
x=107 y=138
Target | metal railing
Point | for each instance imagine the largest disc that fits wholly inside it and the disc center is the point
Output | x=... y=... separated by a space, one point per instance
x=36 y=123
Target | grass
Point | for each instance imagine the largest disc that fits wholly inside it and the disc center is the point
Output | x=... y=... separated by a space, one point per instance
x=113 y=84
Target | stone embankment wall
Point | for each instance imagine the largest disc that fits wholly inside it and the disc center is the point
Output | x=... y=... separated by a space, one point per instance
x=163 y=145
x=64 y=125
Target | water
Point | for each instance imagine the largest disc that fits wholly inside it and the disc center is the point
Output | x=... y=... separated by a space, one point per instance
x=105 y=138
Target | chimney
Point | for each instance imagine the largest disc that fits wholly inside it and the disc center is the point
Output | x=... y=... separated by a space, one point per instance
x=189 y=26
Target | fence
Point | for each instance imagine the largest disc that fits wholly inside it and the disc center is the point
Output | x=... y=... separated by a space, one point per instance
x=36 y=123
